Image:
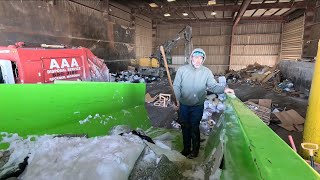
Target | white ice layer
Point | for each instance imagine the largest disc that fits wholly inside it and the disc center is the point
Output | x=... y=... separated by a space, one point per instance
x=108 y=157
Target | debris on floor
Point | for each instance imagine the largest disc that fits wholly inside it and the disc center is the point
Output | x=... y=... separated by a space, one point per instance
x=255 y=73
x=262 y=112
x=265 y=76
x=262 y=102
x=163 y=100
x=132 y=76
x=290 y=120
x=212 y=106
x=149 y=99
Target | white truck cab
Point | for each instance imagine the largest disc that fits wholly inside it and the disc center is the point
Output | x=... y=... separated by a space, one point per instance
x=6 y=72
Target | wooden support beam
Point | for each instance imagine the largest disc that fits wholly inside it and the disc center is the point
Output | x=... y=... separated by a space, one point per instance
x=105 y=9
x=240 y=13
x=308 y=21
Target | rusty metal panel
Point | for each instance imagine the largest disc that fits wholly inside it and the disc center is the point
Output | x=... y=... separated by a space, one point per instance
x=292 y=39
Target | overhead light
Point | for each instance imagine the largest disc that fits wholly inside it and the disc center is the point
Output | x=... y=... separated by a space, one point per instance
x=212 y=2
x=213 y=13
x=171 y=0
x=167 y=15
x=185 y=14
x=153 y=5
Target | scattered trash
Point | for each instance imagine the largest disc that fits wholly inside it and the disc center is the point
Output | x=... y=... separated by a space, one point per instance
x=265 y=76
x=287 y=86
x=131 y=76
x=290 y=120
x=163 y=100
x=150 y=99
x=175 y=125
x=262 y=102
x=262 y=112
x=213 y=104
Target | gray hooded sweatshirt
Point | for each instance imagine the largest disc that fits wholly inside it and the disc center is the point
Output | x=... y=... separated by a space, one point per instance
x=190 y=84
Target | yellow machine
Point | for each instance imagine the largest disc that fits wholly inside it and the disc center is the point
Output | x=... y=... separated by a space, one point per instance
x=154 y=65
x=150 y=67
x=149 y=62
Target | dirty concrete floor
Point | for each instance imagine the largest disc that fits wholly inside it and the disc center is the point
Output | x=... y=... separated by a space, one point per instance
x=162 y=117
x=245 y=92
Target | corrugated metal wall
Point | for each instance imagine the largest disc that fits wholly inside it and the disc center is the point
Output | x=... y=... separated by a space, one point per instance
x=292 y=39
x=143 y=36
x=213 y=38
x=311 y=42
x=256 y=43
x=253 y=42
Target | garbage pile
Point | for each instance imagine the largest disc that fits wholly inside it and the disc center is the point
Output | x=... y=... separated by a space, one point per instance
x=131 y=76
x=213 y=106
x=265 y=76
x=255 y=73
x=287 y=86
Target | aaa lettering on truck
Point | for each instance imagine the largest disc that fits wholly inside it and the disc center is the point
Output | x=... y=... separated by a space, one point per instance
x=62 y=68
x=20 y=65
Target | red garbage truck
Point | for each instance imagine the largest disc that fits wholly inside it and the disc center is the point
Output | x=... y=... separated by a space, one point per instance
x=47 y=63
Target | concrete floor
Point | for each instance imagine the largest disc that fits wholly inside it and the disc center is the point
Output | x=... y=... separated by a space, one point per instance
x=162 y=117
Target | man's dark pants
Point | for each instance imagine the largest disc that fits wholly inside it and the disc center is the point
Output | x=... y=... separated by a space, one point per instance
x=190 y=117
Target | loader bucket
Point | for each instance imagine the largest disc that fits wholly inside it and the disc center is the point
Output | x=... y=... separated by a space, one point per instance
x=71 y=108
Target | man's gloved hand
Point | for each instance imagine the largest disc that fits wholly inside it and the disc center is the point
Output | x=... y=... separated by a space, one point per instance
x=176 y=107
x=229 y=91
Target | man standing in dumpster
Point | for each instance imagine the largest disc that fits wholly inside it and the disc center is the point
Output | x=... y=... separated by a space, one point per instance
x=190 y=85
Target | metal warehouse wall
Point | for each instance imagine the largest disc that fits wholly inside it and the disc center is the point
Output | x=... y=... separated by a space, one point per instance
x=311 y=43
x=256 y=43
x=292 y=39
x=213 y=38
x=253 y=42
x=74 y=23
x=143 y=36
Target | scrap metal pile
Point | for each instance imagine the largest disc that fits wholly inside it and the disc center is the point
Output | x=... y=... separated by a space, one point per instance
x=265 y=76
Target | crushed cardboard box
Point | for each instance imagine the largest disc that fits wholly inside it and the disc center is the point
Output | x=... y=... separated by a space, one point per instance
x=262 y=102
x=150 y=99
x=290 y=120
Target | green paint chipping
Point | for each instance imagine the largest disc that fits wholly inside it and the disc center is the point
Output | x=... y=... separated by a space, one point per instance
x=37 y=109
x=254 y=151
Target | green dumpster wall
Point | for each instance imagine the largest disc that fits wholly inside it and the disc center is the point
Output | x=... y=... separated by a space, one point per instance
x=37 y=109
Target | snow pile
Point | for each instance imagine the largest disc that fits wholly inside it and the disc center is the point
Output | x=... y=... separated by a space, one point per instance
x=108 y=157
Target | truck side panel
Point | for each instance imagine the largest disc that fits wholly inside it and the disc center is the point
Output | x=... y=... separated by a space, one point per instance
x=34 y=72
x=61 y=68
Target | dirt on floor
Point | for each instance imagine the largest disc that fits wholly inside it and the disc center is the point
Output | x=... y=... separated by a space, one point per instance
x=162 y=117
x=245 y=92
